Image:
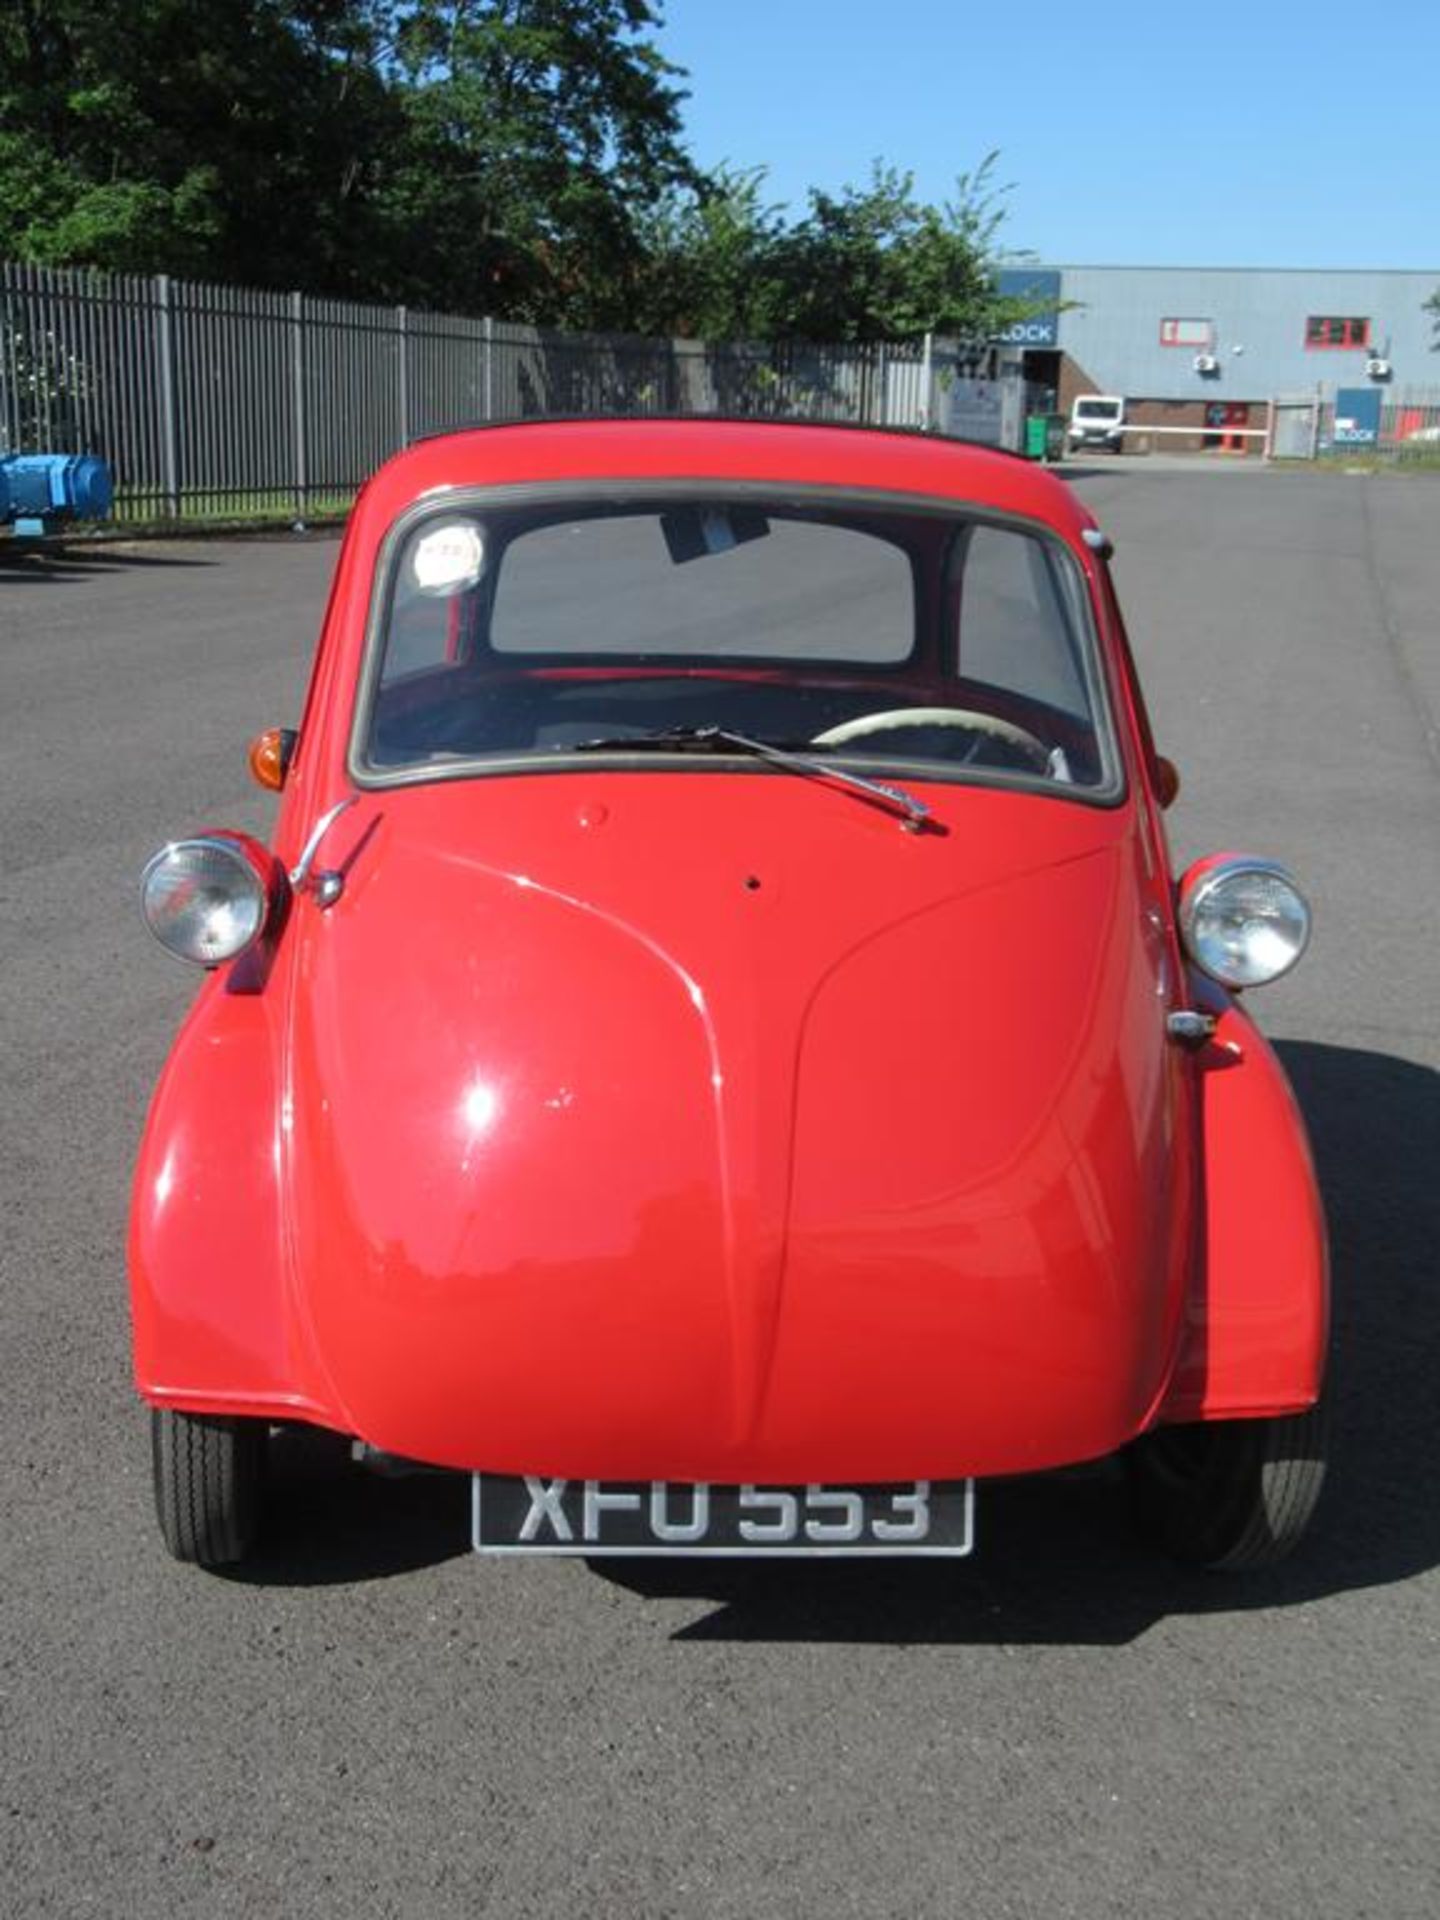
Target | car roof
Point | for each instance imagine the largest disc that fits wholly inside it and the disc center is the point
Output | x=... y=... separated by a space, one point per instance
x=860 y=459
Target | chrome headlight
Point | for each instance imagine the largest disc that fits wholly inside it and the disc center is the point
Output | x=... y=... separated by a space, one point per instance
x=1244 y=922
x=208 y=899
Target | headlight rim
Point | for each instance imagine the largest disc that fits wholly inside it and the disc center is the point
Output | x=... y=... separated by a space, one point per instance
x=1200 y=883
x=252 y=859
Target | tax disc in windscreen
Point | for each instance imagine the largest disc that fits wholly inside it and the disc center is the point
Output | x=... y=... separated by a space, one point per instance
x=448 y=558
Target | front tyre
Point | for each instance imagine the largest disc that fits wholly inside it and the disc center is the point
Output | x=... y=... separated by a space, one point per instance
x=1231 y=1495
x=208 y=1472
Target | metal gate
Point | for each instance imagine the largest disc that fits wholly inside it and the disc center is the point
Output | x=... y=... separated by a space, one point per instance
x=1295 y=426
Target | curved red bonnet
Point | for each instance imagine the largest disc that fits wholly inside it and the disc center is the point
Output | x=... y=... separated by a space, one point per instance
x=711 y=1126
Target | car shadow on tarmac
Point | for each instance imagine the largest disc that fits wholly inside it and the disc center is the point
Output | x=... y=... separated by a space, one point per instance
x=1056 y=1562
x=54 y=566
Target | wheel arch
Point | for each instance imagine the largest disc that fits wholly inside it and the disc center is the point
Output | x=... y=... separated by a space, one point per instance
x=1257 y=1320
x=215 y=1329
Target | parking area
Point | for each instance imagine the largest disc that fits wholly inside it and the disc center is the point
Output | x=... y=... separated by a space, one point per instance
x=373 y=1720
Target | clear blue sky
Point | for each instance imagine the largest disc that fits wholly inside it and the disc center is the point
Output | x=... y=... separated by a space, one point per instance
x=1255 y=133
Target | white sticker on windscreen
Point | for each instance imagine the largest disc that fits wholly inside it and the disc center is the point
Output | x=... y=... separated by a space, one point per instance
x=448 y=558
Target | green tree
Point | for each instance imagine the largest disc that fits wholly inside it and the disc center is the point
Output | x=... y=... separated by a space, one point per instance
x=522 y=158
x=1432 y=305
x=871 y=263
x=212 y=138
x=484 y=154
x=538 y=133
x=713 y=261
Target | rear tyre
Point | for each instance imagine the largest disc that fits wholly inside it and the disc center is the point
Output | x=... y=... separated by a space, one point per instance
x=208 y=1480
x=1230 y=1494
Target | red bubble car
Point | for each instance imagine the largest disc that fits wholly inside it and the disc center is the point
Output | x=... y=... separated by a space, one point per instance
x=716 y=1052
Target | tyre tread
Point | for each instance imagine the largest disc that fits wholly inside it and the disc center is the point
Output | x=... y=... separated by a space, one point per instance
x=1251 y=1503
x=207 y=1484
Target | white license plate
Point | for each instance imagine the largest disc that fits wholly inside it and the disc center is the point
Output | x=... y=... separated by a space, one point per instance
x=527 y=1514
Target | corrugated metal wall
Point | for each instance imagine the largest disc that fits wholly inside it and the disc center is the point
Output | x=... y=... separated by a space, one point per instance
x=1111 y=326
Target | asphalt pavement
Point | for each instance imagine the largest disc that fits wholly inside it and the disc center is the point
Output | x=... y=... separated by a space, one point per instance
x=373 y=1721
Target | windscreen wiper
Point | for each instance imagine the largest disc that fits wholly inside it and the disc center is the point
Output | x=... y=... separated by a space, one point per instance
x=915 y=813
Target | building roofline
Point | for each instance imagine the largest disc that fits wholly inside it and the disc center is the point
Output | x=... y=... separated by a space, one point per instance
x=1118 y=266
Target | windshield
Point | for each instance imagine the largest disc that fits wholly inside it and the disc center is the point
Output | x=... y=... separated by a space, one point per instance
x=1098 y=409
x=937 y=644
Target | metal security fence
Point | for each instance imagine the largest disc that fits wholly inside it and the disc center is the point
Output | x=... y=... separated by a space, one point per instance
x=1408 y=433
x=212 y=400
x=1410 y=426
x=75 y=359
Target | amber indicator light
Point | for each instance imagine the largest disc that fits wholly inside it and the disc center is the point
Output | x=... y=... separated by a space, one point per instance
x=269 y=757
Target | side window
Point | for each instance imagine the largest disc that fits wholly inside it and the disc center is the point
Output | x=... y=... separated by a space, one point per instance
x=424 y=632
x=1015 y=630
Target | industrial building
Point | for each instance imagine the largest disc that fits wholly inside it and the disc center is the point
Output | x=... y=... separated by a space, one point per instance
x=1209 y=348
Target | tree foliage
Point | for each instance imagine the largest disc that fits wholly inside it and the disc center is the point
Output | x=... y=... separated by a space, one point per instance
x=477 y=153
x=713 y=262
x=874 y=263
x=868 y=263
x=535 y=133
x=523 y=158
x=201 y=137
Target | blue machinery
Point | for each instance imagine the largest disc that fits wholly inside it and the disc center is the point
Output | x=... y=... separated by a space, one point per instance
x=41 y=492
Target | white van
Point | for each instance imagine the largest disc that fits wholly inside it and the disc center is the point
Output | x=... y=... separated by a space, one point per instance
x=1097 y=420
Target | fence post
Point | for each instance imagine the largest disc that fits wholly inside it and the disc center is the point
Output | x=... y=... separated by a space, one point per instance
x=297 y=364
x=169 y=423
x=927 y=383
x=9 y=385
x=489 y=330
x=402 y=323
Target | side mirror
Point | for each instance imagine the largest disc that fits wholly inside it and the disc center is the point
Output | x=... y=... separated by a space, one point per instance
x=270 y=755
x=1167 y=781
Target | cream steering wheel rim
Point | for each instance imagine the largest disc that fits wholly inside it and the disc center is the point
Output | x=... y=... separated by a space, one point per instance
x=894 y=717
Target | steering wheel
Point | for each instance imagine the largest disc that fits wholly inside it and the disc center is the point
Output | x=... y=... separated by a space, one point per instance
x=895 y=717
